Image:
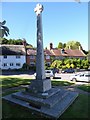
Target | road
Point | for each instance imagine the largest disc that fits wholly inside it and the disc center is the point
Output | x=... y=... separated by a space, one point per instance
x=65 y=76
x=30 y=74
x=16 y=72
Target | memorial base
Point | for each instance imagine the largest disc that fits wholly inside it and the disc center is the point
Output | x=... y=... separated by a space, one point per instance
x=39 y=86
x=51 y=103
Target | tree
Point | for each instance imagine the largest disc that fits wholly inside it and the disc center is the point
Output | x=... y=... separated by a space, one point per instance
x=85 y=64
x=73 y=45
x=60 y=45
x=3 y=41
x=3 y=29
x=64 y=45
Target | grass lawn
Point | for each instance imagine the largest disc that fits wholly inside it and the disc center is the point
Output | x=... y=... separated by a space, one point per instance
x=79 y=109
x=8 y=82
x=85 y=87
x=61 y=83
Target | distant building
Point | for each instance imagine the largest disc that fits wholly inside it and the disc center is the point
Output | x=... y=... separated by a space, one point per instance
x=12 y=56
x=31 y=56
x=55 y=53
x=68 y=53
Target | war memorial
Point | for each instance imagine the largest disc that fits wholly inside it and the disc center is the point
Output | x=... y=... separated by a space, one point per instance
x=40 y=96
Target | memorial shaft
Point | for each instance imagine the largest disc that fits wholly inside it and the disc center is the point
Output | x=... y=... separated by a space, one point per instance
x=40 y=68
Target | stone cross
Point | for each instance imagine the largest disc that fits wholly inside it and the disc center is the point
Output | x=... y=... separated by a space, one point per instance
x=40 y=69
x=38 y=9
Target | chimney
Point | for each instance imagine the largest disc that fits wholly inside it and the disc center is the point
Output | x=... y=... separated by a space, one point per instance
x=24 y=42
x=79 y=47
x=69 y=47
x=51 y=46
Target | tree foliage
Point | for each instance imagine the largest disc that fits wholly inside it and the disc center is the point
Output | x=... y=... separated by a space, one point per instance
x=14 y=42
x=3 y=29
x=71 y=63
x=61 y=45
x=73 y=45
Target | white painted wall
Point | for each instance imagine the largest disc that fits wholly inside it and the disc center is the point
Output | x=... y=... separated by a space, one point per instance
x=13 y=60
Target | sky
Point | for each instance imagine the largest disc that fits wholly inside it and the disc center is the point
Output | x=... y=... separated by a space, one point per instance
x=61 y=22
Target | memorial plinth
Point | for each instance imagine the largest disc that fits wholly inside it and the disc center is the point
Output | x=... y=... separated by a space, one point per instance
x=40 y=96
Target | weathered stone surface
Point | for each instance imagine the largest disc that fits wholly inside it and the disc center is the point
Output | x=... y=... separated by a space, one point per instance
x=40 y=68
x=39 y=86
x=53 y=106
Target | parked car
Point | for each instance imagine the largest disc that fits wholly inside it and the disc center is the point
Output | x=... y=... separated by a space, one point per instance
x=69 y=70
x=85 y=76
x=48 y=73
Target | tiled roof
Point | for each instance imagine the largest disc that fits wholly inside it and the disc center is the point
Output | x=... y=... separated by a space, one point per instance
x=12 y=50
x=68 y=52
x=31 y=51
x=58 y=52
x=48 y=52
x=75 y=53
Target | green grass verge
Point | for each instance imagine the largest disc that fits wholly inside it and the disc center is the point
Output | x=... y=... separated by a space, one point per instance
x=85 y=87
x=8 y=82
x=79 y=109
x=61 y=83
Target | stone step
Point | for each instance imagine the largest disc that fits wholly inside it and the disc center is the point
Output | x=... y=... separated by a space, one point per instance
x=59 y=108
x=44 y=95
x=49 y=102
x=53 y=112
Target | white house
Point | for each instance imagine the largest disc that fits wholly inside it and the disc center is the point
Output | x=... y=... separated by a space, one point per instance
x=12 y=56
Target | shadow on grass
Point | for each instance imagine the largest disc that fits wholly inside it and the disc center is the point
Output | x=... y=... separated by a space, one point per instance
x=13 y=111
x=84 y=87
x=61 y=83
x=79 y=109
x=13 y=82
x=9 y=82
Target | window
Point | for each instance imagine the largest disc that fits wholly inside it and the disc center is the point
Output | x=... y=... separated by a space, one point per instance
x=47 y=57
x=5 y=56
x=32 y=57
x=62 y=51
x=17 y=56
x=17 y=64
x=11 y=64
x=48 y=64
x=32 y=63
x=88 y=75
x=81 y=75
x=4 y=64
x=57 y=57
